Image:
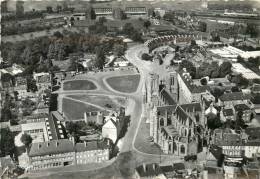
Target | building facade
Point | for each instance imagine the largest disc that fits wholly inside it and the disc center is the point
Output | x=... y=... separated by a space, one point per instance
x=65 y=152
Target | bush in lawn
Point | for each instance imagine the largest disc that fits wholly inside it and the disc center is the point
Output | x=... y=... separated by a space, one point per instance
x=146 y=57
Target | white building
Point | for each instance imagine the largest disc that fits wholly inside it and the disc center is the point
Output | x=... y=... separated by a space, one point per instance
x=113 y=125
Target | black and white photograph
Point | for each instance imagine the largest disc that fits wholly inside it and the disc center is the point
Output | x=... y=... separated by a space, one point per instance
x=130 y=89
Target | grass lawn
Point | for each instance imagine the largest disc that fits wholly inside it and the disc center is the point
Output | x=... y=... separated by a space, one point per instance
x=75 y=110
x=103 y=101
x=79 y=85
x=126 y=84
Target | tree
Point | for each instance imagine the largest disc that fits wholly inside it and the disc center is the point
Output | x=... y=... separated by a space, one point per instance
x=202 y=26
x=26 y=139
x=7 y=146
x=225 y=69
x=128 y=28
x=252 y=30
x=58 y=34
x=102 y=20
x=100 y=57
x=49 y=9
x=147 y=57
x=136 y=36
x=240 y=123
x=203 y=81
x=119 y=49
x=31 y=84
x=58 y=8
x=217 y=92
x=147 y=24
x=189 y=67
x=213 y=122
x=193 y=43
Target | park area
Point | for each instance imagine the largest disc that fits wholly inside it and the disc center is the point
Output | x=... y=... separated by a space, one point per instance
x=125 y=84
x=102 y=101
x=79 y=85
x=74 y=110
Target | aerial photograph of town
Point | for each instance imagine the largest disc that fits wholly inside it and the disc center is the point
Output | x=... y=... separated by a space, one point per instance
x=130 y=89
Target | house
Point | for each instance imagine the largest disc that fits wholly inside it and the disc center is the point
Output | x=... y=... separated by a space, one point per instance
x=113 y=125
x=21 y=87
x=43 y=80
x=227 y=114
x=65 y=152
x=152 y=170
x=36 y=128
x=43 y=127
x=120 y=62
x=228 y=100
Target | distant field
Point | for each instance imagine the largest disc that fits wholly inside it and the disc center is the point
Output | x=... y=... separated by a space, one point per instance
x=79 y=85
x=126 y=84
x=75 y=110
x=103 y=101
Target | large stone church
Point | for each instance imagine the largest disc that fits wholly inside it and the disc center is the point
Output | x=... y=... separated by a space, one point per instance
x=176 y=128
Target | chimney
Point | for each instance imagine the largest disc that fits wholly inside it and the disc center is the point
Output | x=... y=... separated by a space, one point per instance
x=144 y=167
x=57 y=143
x=85 y=143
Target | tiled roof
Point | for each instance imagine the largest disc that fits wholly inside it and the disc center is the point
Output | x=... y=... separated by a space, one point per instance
x=168 y=97
x=241 y=107
x=92 y=145
x=190 y=85
x=162 y=109
x=149 y=171
x=191 y=107
x=55 y=128
x=234 y=96
x=181 y=114
x=51 y=147
x=170 y=130
x=63 y=146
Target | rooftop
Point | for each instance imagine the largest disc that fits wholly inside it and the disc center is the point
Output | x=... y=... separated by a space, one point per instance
x=64 y=146
x=241 y=107
x=186 y=78
x=169 y=109
x=168 y=97
x=234 y=96
x=170 y=130
x=191 y=107
x=228 y=112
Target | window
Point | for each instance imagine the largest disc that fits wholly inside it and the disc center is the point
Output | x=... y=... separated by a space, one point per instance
x=182 y=149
